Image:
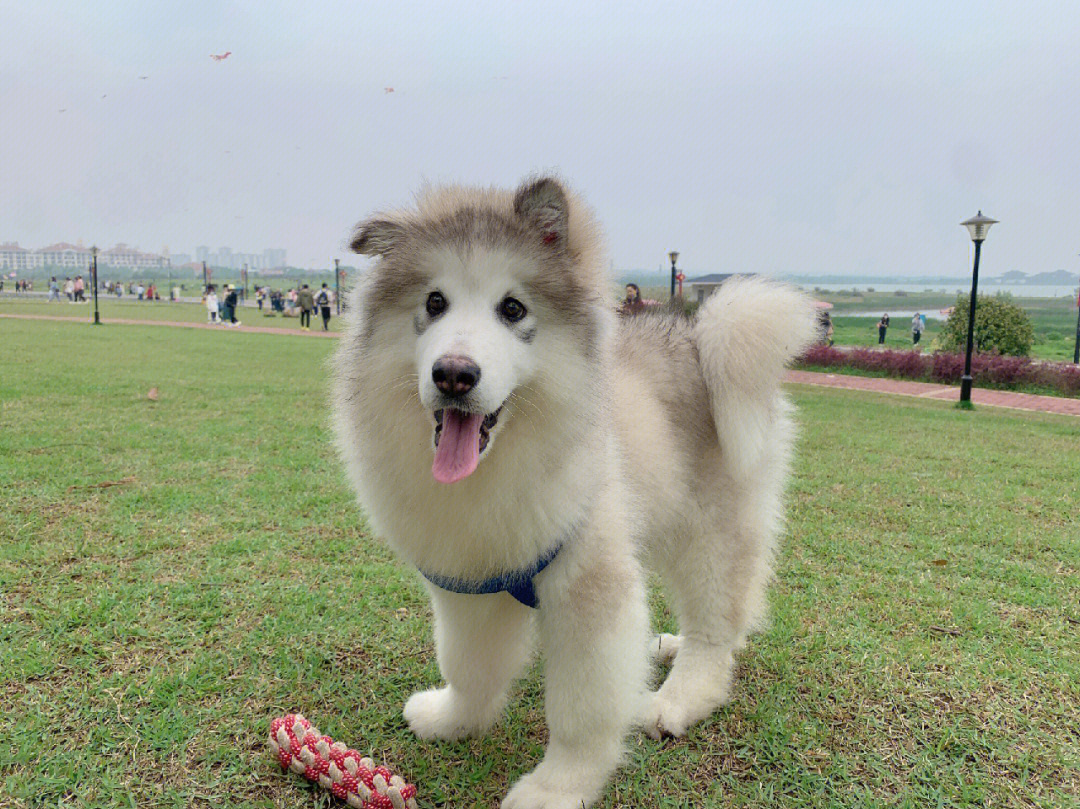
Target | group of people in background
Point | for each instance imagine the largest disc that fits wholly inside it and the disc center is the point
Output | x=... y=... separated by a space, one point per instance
x=222 y=310
x=300 y=302
x=135 y=289
x=74 y=289
x=307 y=302
x=918 y=326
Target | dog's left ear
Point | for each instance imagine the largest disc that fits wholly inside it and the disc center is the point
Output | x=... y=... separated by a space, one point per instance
x=542 y=204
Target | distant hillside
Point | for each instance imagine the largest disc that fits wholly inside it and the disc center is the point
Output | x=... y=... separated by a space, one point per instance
x=1055 y=277
x=645 y=278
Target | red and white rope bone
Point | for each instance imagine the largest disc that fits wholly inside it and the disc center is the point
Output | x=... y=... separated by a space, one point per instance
x=300 y=747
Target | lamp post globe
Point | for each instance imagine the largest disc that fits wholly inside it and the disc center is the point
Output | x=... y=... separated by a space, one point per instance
x=978 y=226
x=674 y=256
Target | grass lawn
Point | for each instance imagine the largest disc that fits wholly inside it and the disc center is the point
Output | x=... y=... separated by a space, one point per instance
x=924 y=648
x=1053 y=340
x=131 y=309
x=1053 y=320
x=862 y=331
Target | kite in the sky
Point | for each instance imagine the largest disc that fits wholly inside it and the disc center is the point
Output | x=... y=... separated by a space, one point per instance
x=388 y=89
x=218 y=57
x=144 y=77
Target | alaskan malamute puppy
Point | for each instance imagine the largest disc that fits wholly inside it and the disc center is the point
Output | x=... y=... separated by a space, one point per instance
x=528 y=450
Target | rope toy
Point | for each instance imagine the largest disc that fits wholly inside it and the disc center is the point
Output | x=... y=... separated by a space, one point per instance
x=300 y=747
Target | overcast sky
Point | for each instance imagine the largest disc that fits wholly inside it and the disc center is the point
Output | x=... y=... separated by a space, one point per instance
x=824 y=137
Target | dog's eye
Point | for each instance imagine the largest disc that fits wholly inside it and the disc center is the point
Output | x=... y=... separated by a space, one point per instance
x=436 y=304
x=512 y=309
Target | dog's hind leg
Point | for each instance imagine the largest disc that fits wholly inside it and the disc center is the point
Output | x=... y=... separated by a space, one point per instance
x=718 y=580
x=482 y=642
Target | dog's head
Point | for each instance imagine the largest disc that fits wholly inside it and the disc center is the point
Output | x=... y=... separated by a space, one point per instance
x=487 y=302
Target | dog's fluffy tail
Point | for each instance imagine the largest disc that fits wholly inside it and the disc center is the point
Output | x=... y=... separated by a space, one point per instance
x=746 y=333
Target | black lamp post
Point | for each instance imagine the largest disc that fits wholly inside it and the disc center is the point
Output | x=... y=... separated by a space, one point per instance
x=244 y=273
x=205 y=278
x=337 y=285
x=93 y=271
x=674 y=256
x=1076 y=351
x=977 y=226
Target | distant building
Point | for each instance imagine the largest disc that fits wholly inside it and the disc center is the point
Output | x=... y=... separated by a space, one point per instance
x=705 y=285
x=13 y=257
x=67 y=256
x=273 y=258
x=126 y=257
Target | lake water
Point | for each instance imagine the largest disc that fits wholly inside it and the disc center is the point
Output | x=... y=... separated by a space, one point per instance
x=985 y=287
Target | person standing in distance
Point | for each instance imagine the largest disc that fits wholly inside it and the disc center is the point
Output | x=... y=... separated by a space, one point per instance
x=322 y=300
x=306 y=303
x=230 y=305
x=916 y=329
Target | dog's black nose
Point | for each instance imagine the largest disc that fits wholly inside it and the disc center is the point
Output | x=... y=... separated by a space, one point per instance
x=455 y=376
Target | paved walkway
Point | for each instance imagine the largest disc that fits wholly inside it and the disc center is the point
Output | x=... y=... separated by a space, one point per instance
x=922 y=390
x=929 y=390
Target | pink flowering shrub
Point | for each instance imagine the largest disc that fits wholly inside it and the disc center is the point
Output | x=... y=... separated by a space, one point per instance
x=991 y=370
x=823 y=356
x=1062 y=376
x=901 y=364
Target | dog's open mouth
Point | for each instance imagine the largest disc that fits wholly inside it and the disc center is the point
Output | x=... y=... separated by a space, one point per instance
x=460 y=438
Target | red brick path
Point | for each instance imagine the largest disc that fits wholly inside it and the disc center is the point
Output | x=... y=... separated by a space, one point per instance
x=922 y=390
x=927 y=390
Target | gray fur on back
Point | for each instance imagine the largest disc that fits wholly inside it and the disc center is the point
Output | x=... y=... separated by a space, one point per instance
x=658 y=344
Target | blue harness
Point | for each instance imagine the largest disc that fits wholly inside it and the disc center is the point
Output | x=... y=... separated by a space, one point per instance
x=518 y=583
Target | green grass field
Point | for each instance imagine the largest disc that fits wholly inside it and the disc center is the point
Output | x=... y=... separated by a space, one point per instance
x=1052 y=319
x=924 y=649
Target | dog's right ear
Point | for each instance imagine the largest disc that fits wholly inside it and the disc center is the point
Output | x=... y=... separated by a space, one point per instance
x=542 y=204
x=376 y=237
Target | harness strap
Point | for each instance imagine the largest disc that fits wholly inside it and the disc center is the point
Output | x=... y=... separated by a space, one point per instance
x=518 y=583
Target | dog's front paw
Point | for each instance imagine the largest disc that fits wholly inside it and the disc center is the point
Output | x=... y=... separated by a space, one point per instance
x=538 y=790
x=440 y=714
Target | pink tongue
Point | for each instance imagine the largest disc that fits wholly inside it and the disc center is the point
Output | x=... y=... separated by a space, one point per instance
x=458 y=452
